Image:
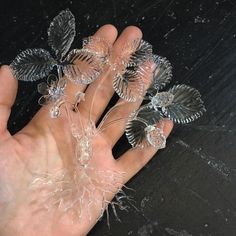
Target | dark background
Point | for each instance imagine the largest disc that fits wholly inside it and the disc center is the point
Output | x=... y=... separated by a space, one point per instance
x=188 y=188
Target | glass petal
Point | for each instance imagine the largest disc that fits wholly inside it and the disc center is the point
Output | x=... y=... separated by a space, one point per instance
x=43 y=88
x=52 y=80
x=61 y=33
x=32 y=64
x=82 y=66
x=186 y=106
x=44 y=100
x=162 y=73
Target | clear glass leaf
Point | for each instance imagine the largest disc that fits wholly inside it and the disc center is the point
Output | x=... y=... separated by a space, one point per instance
x=132 y=84
x=162 y=73
x=149 y=114
x=82 y=66
x=186 y=106
x=135 y=132
x=97 y=45
x=136 y=52
x=129 y=86
x=133 y=70
x=142 y=53
x=61 y=33
x=32 y=64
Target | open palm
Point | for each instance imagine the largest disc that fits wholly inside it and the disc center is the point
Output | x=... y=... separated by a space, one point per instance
x=41 y=188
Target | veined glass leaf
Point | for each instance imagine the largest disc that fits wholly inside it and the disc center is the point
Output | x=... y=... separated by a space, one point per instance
x=129 y=86
x=142 y=53
x=186 y=106
x=136 y=52
x=135 y=132
x=96 y=45
x=162 y=73
x=61 y=33
x=82 y=66
x=149 y=114
x=132 y=84
x=32 y=64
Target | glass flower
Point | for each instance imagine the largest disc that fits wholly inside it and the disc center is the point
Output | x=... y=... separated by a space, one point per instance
x=181 y=104
x=53 y=92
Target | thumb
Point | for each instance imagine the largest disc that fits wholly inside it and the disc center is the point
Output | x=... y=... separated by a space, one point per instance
x=8 y=91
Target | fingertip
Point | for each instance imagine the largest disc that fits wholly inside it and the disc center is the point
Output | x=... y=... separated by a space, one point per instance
x=168 y=126
x=107 y=32
x=5 y=71
x=8 y=87
x=8 y=90
x=129 y=35
x=133 y=31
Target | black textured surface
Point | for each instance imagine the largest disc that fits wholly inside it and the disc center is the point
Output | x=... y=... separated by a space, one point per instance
x=188 y=188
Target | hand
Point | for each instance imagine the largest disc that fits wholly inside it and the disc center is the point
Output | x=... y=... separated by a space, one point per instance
x=46 y=145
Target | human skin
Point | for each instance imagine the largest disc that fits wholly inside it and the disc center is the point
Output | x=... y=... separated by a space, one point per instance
x=45 y=144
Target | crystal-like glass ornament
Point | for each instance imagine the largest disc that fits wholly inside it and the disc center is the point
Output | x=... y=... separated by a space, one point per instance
x=155 y=137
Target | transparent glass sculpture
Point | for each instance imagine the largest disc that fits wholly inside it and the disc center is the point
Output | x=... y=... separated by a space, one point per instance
x=137 y=74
